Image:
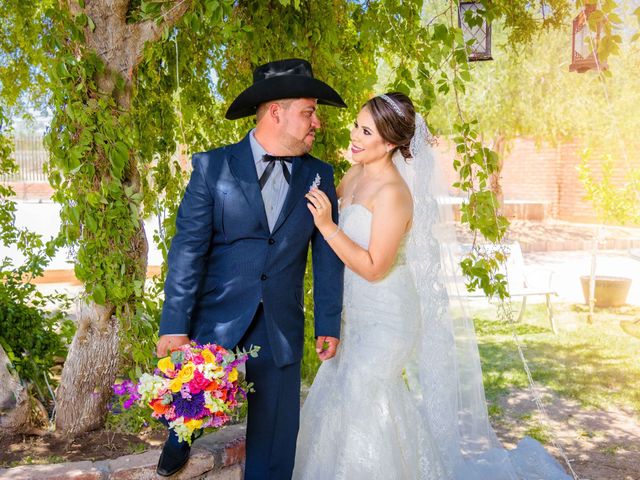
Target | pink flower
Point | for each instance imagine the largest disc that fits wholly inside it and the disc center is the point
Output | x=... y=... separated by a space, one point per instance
x=198 y=359
x=198 y=383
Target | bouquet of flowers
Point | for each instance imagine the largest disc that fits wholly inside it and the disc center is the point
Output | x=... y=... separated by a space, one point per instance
x=196 y=387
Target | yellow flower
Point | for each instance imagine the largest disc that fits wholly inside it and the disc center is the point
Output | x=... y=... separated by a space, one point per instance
x=175 y=385
x=186 y=372
x=233 y=375
x=208 y=356
x=194 y=424
x=166 y=365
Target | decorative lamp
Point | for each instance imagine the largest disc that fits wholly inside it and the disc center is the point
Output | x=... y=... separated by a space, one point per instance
x=475 y=27
x=585 y=43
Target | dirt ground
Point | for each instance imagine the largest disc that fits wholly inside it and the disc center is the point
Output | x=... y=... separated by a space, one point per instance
x=23 y=449
x=601 y=445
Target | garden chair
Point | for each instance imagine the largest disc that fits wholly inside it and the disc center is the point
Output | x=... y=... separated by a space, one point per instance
x=518 y=283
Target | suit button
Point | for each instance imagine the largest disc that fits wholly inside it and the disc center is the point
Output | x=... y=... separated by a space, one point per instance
x=263 y=277
x=271 y=241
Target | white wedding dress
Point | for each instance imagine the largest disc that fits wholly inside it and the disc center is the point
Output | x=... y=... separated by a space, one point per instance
x=373 y=411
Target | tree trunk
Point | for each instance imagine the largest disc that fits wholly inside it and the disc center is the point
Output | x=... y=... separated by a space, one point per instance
x=14 y=399
x=89 y=371
x=92 y=362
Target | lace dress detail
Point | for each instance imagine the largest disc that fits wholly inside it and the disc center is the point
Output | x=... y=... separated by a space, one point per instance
x=358 y=422
x=364 y=417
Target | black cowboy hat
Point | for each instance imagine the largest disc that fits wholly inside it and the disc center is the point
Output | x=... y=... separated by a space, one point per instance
x=291 y=78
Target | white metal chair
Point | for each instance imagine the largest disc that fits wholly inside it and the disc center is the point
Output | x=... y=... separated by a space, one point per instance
x=519 y=285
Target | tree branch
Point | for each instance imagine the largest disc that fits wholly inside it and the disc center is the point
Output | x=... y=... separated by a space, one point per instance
x=92 y=7
x=121 y=45
x=151 y=31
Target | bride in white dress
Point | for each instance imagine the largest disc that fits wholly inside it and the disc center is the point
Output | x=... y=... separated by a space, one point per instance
x=403 y=397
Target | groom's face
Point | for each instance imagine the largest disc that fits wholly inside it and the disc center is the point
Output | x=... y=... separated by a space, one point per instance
x=298 y=124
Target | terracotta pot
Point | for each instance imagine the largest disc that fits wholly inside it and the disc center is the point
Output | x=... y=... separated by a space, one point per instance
x=610 y=291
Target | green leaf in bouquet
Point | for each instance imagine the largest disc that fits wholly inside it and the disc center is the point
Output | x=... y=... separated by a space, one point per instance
x=177 y=357
x=167 y=398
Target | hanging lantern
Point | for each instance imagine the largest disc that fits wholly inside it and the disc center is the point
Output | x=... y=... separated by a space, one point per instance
x=585 y=43
x=475 y=28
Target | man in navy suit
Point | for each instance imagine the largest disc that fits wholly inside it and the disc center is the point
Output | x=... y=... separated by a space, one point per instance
x=237 y=260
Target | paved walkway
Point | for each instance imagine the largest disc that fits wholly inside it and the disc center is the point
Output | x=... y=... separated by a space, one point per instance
x=567 y=267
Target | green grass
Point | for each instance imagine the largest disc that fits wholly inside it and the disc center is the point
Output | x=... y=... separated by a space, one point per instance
x=539 y=432
x=612 y=450
x=29 y=460
x=595 y=364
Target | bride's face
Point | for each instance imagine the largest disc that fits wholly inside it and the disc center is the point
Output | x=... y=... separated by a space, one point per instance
x=367 y=145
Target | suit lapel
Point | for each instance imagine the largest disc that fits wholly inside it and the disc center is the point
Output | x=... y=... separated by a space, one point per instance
x=244 y=170
x=300 y=182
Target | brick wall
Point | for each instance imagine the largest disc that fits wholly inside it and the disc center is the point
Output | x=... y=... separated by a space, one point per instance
x=31 y=190
x=546 y=173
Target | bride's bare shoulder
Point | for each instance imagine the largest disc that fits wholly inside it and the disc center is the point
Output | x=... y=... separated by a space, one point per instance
x=394 y=193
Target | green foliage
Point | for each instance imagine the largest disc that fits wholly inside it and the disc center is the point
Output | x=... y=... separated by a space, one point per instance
x=90 y=168
x=481 y=269
x=613 y=204
x=114 y=132
x=140 y=333
x=310 y=360
x=607 y=20
x=132 y=420
x=532 y=93
x=32 y=337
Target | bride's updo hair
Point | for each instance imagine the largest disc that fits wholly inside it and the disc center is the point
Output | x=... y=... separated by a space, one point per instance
x=395 y=118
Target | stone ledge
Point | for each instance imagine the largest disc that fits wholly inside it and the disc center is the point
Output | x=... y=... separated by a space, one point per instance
x=218 y=456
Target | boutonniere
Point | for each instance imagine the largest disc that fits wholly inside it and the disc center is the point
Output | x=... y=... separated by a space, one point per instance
x=316 y=182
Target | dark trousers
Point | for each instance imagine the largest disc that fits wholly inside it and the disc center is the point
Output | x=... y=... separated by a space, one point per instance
x=274 y=409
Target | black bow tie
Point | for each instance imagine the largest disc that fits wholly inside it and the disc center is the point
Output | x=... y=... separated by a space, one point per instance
x=272 y=159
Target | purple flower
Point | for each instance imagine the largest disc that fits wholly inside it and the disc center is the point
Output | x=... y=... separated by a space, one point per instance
x=236 y=363
x=184 y=391
x=122 y=388
x=189 y=407
x=118 y=389
x=218 y=421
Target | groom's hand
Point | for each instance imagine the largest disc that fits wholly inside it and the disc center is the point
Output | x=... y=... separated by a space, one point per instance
x=325 y=352
x=167 y=343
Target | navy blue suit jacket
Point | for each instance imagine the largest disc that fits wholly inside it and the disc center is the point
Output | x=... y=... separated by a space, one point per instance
x=223 y=260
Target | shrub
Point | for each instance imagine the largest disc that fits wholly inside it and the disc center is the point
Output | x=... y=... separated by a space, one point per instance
x=31 y=336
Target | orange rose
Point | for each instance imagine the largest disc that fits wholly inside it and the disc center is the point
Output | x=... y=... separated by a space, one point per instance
x=159 y=407
x=212 y=387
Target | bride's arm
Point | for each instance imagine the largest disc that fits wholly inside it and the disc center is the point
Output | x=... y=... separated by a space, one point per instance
x=391 y=215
